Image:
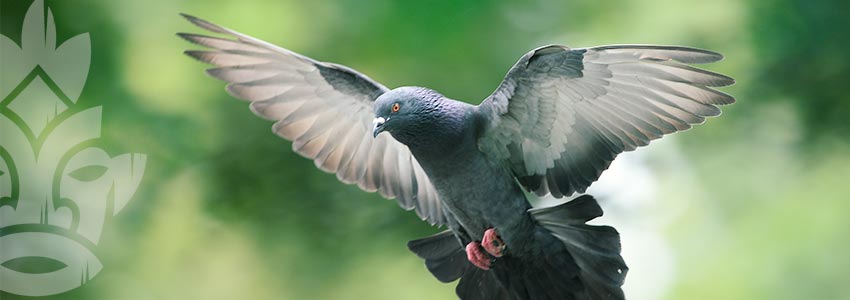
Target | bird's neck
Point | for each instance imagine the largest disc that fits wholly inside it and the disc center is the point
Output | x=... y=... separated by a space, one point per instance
x=447 y=133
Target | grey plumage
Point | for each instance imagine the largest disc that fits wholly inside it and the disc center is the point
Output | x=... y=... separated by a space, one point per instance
x=561 y=116
x=324 y=108
x=554 y=124
x=596 y=253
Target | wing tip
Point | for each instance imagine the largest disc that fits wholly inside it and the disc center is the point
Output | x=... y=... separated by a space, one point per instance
x=187 y=16
x=722 y=80
x=707 y=56
x=727 y=81
x=193 y=19
x=712 y=56
x=199 y=55
x=203 y=23
x=190 y=37
x=723 y=98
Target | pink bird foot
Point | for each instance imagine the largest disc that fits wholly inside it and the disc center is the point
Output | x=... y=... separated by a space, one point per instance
x=493 y=243
x=477 y=256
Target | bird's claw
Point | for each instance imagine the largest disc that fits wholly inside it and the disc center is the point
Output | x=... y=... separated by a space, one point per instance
x=477 y=256
x=493 y=243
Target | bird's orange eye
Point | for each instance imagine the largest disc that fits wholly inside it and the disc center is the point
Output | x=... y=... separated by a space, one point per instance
x=396 y=107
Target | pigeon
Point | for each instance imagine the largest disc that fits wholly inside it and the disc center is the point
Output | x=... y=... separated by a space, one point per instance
x=554 y=124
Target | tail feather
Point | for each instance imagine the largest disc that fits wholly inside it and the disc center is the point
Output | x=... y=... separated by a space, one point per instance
x=477 y=284
x=550 y=274
x=443 y=254
x=596 y=249
x=576 y=212
x=446 y=259
x=570 y=260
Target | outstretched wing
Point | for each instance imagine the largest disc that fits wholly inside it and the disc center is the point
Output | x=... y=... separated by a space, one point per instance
x=561 y=115
x=324 y=109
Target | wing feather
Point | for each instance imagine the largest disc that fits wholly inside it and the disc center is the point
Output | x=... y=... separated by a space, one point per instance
x=324 y=109
x=562 y=115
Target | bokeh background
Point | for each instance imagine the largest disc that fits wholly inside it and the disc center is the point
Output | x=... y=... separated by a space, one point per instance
x=751 y=205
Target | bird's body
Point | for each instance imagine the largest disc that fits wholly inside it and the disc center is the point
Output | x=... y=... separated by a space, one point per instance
x=477 y=192
x=556 y=121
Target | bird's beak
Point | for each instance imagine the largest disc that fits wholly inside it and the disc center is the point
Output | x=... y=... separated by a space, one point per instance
x=377 y=126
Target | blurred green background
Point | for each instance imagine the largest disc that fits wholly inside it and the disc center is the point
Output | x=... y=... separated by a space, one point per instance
x=751 y=205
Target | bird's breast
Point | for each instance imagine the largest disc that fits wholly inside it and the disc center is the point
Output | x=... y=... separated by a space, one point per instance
x=479 y=192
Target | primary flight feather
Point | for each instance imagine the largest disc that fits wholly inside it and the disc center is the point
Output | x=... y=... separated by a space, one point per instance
x=552 y=126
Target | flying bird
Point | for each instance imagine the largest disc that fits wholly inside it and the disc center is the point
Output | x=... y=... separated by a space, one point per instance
x=556 y=121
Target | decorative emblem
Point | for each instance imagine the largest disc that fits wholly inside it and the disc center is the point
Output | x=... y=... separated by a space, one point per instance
x=57 y=187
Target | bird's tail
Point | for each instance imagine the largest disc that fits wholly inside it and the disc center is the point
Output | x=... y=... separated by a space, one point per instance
x=570 y=260
x=446 y=259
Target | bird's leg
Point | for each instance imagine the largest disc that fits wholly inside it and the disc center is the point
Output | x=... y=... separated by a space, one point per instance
x=477 y=256
x=493 y=243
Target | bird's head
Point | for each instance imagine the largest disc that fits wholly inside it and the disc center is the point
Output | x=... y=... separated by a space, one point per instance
x=405 y=111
